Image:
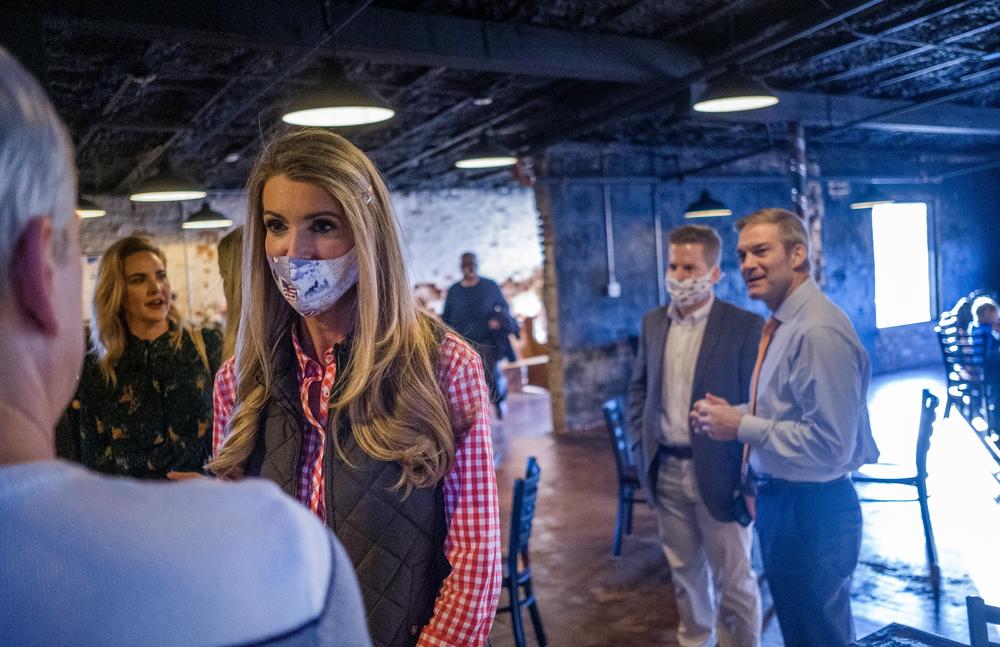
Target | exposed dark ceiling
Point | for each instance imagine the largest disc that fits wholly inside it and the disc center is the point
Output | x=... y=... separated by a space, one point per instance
x=194 y=82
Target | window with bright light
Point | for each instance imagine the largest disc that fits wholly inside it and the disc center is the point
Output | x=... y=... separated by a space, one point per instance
x=902 y=264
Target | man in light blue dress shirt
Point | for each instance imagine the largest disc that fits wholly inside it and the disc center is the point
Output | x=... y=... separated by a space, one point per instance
x=807 y=432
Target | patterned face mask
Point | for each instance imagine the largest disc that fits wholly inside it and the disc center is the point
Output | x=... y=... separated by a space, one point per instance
x=311 y=286
x=688 y=292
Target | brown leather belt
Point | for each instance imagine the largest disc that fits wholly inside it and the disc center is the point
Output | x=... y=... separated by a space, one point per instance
x=677 y=451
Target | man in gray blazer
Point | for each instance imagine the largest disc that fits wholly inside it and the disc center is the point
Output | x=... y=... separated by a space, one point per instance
x=697 y=345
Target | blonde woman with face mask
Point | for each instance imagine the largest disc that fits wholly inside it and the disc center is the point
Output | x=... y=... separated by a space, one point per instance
x=144 y=403
x=371 y=414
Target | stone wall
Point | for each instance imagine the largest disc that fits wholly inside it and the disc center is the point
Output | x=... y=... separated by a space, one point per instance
x=597 y=331
x=904 y=347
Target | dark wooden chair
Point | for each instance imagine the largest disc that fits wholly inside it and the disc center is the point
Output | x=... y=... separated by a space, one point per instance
x=981 y=615
x=516 y=563
x=970 y=362
x=871 y=474
x=964 y=357
x=628 y=474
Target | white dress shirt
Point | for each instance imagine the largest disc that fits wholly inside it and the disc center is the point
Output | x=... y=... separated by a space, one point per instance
x=680 y=355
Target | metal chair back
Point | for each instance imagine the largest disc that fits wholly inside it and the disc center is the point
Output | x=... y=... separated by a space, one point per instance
x=981 y=615
x=614 y=416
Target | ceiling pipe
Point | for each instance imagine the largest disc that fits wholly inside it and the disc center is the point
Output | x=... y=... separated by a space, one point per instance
x=661 y=294
x=746 y=179
x=806 y=25
x=827 y=132
x=868 y=38
x=976 y=168
x=614 y=288
x=475 y=131
x=153 y=158
x=918 y=48
x=276 y=77
x=797 y=168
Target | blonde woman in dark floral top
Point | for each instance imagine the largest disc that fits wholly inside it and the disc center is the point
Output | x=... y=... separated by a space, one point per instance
x=144 y=404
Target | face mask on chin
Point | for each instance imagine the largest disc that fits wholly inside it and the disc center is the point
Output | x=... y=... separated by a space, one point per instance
x=690 y=291
x=312 y=287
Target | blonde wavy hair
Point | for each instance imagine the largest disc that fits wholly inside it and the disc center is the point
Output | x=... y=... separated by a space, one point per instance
x=108 y=330
x=390 y=394
x=230 y=266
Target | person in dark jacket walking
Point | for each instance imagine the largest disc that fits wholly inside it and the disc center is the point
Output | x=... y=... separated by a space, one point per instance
x=476 y=308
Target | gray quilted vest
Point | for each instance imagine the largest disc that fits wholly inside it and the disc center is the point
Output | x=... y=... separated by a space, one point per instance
x=395 y=544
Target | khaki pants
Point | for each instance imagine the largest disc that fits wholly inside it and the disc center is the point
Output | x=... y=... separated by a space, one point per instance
x=717 y=596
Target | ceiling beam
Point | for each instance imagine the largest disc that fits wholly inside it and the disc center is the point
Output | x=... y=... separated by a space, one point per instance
x=399 y=37
x=825 y=134
x=382 y=35
x=206 y=132
x=780 y=35
x=824 y=110
x=917 y=49
x=864 y=39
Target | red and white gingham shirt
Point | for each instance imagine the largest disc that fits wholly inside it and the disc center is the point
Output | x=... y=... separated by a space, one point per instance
x=467 y=601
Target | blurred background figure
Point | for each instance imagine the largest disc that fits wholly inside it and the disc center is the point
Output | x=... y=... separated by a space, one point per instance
x=230 y=267
x=986 y=314
x=429 y=299
x=144 y=403
x=476 y=308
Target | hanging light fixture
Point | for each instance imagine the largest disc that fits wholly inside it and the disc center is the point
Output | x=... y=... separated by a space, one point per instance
x=166 y=186
x=870 y=197
x=734 y=91
x=88 y=209
x=486 y=154
x=706 y=207
x=206 y=218
x=338 y=102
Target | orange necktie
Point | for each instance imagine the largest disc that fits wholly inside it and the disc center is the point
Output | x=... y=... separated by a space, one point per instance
x=765 y=341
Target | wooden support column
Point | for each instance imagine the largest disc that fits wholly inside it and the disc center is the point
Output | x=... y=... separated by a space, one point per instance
x=807 y=197
x=550 y=298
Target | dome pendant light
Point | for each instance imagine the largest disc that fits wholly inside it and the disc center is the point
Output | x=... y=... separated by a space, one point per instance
x=486 y=154
x=206 y=218
x=870 y=197
x=88 y=209
x=734 y=91
x=166 y=186
x=706 y=207
x=338 y=102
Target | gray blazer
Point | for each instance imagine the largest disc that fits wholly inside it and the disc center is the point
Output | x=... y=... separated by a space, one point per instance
x=724 y=367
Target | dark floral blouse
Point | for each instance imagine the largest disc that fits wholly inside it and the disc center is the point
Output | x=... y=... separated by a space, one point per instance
x=157 y=418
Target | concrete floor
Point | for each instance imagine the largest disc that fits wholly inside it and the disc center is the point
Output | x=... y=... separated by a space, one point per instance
x=587 y=598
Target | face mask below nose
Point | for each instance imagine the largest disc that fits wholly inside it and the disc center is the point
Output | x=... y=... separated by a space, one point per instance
x=690 y=291
x=311 y=287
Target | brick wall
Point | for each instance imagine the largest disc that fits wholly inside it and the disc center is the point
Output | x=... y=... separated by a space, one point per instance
x=435 y=227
